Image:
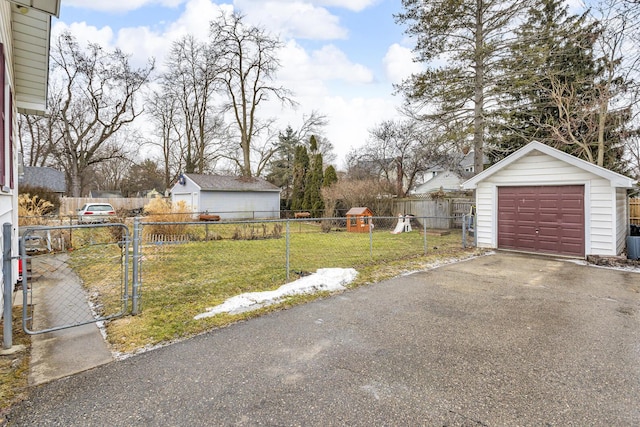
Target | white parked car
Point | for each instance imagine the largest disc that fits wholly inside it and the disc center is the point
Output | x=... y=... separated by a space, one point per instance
x=95 y=212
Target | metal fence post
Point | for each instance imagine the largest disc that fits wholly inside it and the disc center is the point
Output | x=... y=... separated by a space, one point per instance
x=464 y=231
x=371 y=238
x=287 y=228
x=7 y=341
x=135 y=285
x=424 y=233
x=475 y=230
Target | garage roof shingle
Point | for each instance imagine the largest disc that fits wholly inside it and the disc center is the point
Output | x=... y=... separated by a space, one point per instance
x=231 y=183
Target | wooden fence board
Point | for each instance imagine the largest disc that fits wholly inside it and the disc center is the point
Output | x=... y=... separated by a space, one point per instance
x=441 y=213
x=70 y=205
x=634 y=211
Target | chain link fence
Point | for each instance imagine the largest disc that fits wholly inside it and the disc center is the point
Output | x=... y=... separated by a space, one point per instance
x=73 y=275
x=78 y=274
x=191 y=259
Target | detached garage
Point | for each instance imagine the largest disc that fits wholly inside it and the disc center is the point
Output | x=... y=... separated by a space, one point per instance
x=543 y=200
x=230 y=197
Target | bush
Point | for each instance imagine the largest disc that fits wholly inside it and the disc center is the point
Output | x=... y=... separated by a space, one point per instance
x=162 y=210
x=346 y=194
x=43 y=194
x=256 y=232
x=31 y=209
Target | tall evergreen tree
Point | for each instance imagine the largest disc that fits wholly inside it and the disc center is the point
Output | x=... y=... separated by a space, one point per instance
x=554 y=94
x=467 y=37
x=282 y=163
x=300 y=168
x=330 y=176
x=313 y=183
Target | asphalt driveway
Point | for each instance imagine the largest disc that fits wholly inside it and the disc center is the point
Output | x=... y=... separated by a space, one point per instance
x=503 y=339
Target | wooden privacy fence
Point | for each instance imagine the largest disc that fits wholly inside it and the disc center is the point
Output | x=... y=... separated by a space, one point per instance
x=634 y=211
x=70 y=205
x=440 y=213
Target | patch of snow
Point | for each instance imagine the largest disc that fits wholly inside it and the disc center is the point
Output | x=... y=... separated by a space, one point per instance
x=324 y=280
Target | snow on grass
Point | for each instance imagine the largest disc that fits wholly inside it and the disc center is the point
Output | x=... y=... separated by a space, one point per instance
x=324 y=280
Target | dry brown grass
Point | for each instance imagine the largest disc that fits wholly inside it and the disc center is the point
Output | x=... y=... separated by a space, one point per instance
x=14 y=369
x=161 y=210
x=32 y=209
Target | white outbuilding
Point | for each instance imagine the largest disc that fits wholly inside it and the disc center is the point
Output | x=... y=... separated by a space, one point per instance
x=229 y=197
x=542 y=200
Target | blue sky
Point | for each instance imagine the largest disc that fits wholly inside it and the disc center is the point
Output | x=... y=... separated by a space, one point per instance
x=340 y=57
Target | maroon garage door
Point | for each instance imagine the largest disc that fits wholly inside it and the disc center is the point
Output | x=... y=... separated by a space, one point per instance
x=545 y=219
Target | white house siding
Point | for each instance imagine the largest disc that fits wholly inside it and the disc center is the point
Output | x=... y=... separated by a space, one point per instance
x=241 y=204
x=8 y=197
x=541 y=169
x=622 y=219
x=447 y=180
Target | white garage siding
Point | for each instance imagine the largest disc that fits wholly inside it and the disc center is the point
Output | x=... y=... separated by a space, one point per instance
x=241 y=204
x=191 y=199
x=622 y=219
x=230 y=197
x=541 y=169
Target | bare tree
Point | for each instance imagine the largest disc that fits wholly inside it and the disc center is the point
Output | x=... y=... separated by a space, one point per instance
x=191 y=83
x=399 y=151
x=247 y=61
x=96 y=94
x=619 y=61
x=163 y=112
x=109 y=175
x=35 y=134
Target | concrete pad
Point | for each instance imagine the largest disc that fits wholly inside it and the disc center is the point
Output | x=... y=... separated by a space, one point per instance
x=66 y=352
x=57 y=293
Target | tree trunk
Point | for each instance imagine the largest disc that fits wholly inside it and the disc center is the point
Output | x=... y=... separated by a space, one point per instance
x=76 y=184
x=478 y=113
x=246 y=157
x=399 y=176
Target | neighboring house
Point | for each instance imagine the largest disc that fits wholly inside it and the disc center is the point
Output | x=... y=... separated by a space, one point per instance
x=24 y=74
x=543 y=200
x=230 y=197
x=48 y=178
x=449 y=178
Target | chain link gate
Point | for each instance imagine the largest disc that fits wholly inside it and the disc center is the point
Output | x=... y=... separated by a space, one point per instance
x=55 y=297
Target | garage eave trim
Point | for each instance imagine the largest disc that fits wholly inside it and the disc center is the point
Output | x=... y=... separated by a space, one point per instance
x=617 y=180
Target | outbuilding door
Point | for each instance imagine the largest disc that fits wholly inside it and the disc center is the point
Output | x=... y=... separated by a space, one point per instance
x=545 y=219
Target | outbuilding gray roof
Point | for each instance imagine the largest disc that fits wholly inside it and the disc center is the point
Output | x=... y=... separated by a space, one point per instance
x=49 y=178
x=230 y=183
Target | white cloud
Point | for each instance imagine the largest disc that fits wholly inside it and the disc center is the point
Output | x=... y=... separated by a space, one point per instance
x=332 y=63
x=351 y=119
x=354 y=5
x=324 y=79
x=84 y=33
x=297 y=19
x=195 y=19
x=309 y=73
x=398 y=63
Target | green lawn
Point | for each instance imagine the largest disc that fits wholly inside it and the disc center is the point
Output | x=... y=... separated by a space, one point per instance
x=180 y=281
